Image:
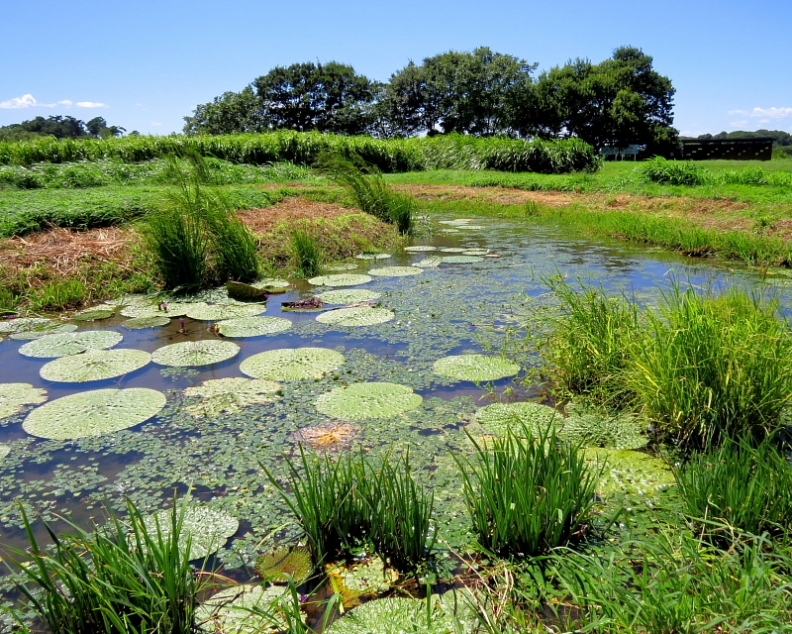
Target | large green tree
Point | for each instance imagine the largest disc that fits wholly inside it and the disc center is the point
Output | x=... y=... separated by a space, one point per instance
x=230 y=113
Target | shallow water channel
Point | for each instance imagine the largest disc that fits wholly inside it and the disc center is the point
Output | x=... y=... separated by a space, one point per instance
x=481 y=306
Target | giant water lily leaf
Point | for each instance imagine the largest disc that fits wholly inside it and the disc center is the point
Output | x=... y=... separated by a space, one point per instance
x=420 y=248
x=216 y=312
x=373 y=256
x=138 y=323
x=395 y=615
x=49 y=328
x=602 y=429
x=453 y=250
x=193 y=354
x=230 y=395
x=253 y=326
x=357 y=316
x=271 y=282
x=340 y=279
x=348 y=296
x=22 y=324
x=536 y=419
x=395 y=271
x=244 y=609
x=476 y=252
x=368 y=400
x=206 y=529
x=462 y=259
x=94 y=314
x=362 y=579
x=292 y=364
x=4 y=451
x=94 y=413
x=475 y=367
x=94 y=365
x=349 y=266
x=432 y=262
x=14 y=397
x=285 y=563
x=153 y=310
x=53 y=346
x=630 y=472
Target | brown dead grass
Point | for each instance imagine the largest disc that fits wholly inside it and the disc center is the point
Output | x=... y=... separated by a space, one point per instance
x=330 y=436
x=290 y=210
x=500 y=195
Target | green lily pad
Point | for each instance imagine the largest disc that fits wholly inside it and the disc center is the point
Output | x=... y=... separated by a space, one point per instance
x=94 y=413
x=420 y=248
x=340 y=279
x=94 y=314
x=344 y=266
x=24 y=324
x=94 y=365
x=138 y=323
x=432 y=262
x=455 y=223
x=216 y=312
x=395 y=271
x=630 y=472
x=476 y=252
x=475 y=367
x=284 y=563
x=499 y=418
x=462 y=259
x=51 y=328
x=67 y=344
x=292 y=364
x=363 y=579
x=4 y=451
x=368 y=400
x=230 y=395
x=373 y=256
x=357 y=316
x=253 y=326
x=243 y=609
x=14 y=397
x=395 y=615
x=191 y=354
x=450 y=231
x=271 y=282
x=453 y=250
x=207 y=529
x=348 y=296
x=606 y=430
x=152 y=310
x=472 y=227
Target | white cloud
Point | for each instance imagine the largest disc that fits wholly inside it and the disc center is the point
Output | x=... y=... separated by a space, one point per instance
x=739 y=124
x=765 y=113
x=65 y=102
x=29 y=101
x=25 y=101
x=90 y=104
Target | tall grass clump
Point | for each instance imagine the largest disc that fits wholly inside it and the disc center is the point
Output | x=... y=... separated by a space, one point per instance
x=738 y=488
x=527 y=495
x=710 y=368
x=660 y=170
x=121 y=578
x=306 y=251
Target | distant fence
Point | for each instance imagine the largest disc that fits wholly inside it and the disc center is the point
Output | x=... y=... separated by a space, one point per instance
x=733 y=149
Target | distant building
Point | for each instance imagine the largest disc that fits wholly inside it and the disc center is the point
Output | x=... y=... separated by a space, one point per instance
x=760 y=149
x=613 y=153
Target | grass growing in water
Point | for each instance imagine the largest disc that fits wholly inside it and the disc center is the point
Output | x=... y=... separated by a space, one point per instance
x=306 y=251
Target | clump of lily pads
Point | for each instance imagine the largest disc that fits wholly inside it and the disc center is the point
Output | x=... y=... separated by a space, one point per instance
x=360 y=401
x=217 y=312
x=67 y=344
x=357 y=316
x=23 y=324
x=349 y=296
x=340 y=279
x=189 y=354
x=395 y=271
x=284 y=564
x=206 y=529
x=15 y=396
x=395 y=615
x=592 y=428
x=253 y=326
x=49 y=328
x=475 y=367
x=500 y=418
x=292 y=364
x=432 y=262
x=230 y=395
x=244 y=609
x=630 y=472
x=94 y=365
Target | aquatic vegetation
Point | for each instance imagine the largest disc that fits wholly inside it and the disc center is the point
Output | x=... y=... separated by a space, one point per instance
x=292 y=364
x=271 y=282
x=432 y=262
x=330 y=436
x=420 y=248
x=340 y=279
x=477 y=252
x=453 y=249
x=373 y=256
x=395 y=271
x=461 y=259
x=94 y=413
x=501 y=418
x=94 y=365
x=360 y=401
x=203 y=530
x=306 y=251
x=137 y=323
x=253 y=326
x=37 y=332
x=349 y=296
x=4 y=451
x=361 y=579
x=589 y=427
x=357 y=316
x=245 y=609
x=285 y=563
x=24 y=324
x=349 y=266
x=93 y=314
x=189 y=354
x=394 y=615
x=217 y=312
x=629 y=471
x=15 y=396
x=475 y=367
x=67 y=344
x=230 y=395
x=148 y=311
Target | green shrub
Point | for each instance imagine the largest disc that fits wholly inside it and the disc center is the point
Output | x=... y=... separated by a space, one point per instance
x=660 y=170
x=306 y=251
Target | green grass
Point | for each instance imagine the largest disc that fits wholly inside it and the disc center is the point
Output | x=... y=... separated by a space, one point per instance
x=307 y=252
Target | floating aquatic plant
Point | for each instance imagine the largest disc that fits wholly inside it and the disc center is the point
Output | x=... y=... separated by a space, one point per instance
x=230 y=395
x=473 y=227
x=94 y=314
x=603 y=429
x=253 y=326
x=138 y=323
x=420 y=248
x=216 y=312
x=330 y=436
x=432 y=262
x=51 y=328
x=348 y=296
x=292 y=364
x=630 y=471
x=67 y=344
x=14 y=397
x=245 y=609
x=271 y=282
x=395 y=615
x=94 y=365
x=395 y=271
x=340 y=279
x=285 y=563
x=475 y=367
x=453 y=249
x=362 y=579
x=206 y=529
x=373 y=256
x=462 y=259
x=23 y=324
x=94 y=413
x=357 y=316
x=368 y=400
x=152 y=310
x=348 y=266
x=476 y=252
x=4 y=451
x=189 y=354
x=500 y=418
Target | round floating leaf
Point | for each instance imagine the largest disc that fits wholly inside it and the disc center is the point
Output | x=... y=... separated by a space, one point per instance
x=364 y=579
x=24 y=324
x=253 y=326
x=395 y=271
x=357 y=316
x=420 y=248
x=499 y=418
x=475 y=367
x=449 y=231
x=94 y=365
x=598 y=429
x=51 y=328
x=630 y=471
x=216 y=312
x=152 y=310
x=476 y=252
x=453 y=250
x=14 y=396
x=207 y=529
x=473 y=227
x=457 y=222
x=190 y=354
x=4 y=451
x=244 y=609
x=432 y=262
x=53 y=346
x=368 y=400
x=330 y=436
x=129 y=300
x=271 y=282
x=230 y=395
x=462 y=259
x=341 y=279
x=373 y=256
x=349 y=266
x=292 y=364
x=395 y=615
x=282 y=564
x=138 y=323
x=348 y=296
x=94 y=413
x=94 y=314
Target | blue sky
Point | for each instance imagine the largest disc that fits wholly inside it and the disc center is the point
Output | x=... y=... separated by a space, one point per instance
x=146 y=64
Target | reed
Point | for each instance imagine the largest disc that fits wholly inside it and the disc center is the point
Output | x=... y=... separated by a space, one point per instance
x=306 y=251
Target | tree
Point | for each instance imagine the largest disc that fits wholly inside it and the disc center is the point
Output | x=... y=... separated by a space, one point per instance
x=98 y=128
x=232 y=112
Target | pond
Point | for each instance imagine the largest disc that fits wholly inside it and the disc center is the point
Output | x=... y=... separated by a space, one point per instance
x=479 y=286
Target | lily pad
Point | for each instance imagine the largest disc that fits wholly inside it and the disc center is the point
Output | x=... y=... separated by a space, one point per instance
x=395 y=615
x=67 y=344
x=362 y=579
x=462 y=259
x=14 y=397
x=499 y=418
x=606 y=430
x=453 y=250
x=94 y=314
x=216 y=312
x=373 y=256
x=271 y=282
x=51 y=328
x=395 y=271
x=368 y=400
x=230 y=395
x=207 y=529
x=348 y=296
x=476 y=252
x=243 y=609
x=94 y=413
x=175 y=309
x=340 y=279
x=344 y=266
x=330 y=436
x=450 y=231
x=4 y=451
x=475 y=367
x=420 y=248
x=292 y=364
x=94 y=365
x=630 y=472
x=472 y=227
x=23 y=324
x=357 y=316
x=189 y=354
x=253 y=326
x=284 y=563
x=138 y=323
x=432 y=262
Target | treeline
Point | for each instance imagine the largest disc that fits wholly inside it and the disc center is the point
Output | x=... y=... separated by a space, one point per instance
x=620 y=101
x=782 y=141
x=60 y=127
